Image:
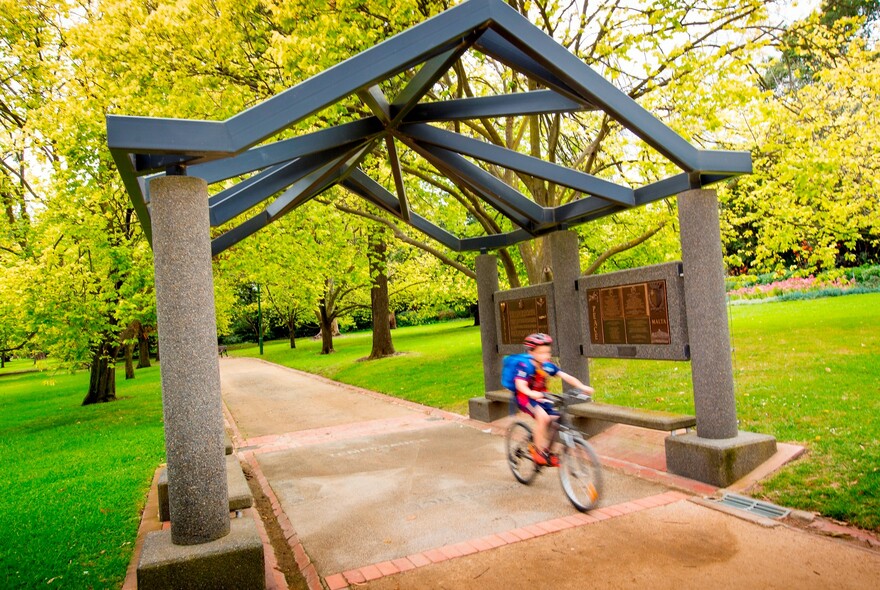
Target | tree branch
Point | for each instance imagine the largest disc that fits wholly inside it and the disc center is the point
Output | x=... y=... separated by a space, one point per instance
x=400 y=235
x=623 y=247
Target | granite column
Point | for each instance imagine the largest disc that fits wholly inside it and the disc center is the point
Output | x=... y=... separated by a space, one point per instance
x=192 y=408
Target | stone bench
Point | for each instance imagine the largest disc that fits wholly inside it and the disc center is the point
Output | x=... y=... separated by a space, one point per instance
x=240 y=496
x=592 y=418
x=588 y=417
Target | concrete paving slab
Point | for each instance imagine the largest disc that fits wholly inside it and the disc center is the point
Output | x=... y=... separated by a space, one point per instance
x=266 y=398
x=385 y=496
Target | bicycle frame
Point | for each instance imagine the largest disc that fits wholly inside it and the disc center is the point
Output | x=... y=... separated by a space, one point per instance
x=580 y=467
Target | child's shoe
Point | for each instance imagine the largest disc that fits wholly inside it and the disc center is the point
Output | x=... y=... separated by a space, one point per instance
x=552 y=459
x=537 y=456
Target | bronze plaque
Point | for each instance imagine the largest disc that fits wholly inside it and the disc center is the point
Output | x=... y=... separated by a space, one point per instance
x=629 y=314
x=521 y=317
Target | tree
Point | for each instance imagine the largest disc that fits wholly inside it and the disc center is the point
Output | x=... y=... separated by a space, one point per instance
x=379 y=300
x=812 y=202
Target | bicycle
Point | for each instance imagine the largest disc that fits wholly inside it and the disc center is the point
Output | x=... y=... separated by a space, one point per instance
x=580 y=471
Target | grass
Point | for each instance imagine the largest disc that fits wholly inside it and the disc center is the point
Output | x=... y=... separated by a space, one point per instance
x=806 y=371
x=441 y=365
x=22 y=366
x=73 y=479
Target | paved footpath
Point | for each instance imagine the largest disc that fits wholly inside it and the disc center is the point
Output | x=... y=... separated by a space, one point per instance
x=376 y=492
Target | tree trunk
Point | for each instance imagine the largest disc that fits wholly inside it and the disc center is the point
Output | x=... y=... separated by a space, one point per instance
x=143 y=351
x=129 y=361
x=102 y=383
x=326 y=329
x=379 y=304
x=292 y=329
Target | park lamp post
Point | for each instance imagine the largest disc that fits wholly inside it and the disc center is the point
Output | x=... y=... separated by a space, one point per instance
x=259 y=318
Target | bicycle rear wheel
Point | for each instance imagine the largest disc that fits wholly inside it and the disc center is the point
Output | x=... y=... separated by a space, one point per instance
x=517 y=441
x=581 y=475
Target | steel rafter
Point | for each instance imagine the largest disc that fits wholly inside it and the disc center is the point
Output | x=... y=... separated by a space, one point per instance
x=301 y=167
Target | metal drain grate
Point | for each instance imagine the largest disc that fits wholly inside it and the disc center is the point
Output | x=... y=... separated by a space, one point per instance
x=754 y=506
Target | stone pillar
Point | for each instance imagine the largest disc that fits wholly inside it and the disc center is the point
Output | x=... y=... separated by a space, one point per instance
x=719 y=453
x=565 y=261
x=706 y=305
x=194 y=437
x=487 y=285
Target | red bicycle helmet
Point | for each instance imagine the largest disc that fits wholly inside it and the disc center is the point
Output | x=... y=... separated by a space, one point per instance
x=534 y=340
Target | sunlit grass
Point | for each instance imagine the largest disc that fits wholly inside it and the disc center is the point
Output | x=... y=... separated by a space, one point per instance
x=73 y=479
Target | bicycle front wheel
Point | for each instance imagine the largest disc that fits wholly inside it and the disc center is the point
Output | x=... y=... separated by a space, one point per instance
x=517 y=441
x=581 y=475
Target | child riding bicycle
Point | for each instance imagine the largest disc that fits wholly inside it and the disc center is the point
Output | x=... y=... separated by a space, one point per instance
x=530 y=381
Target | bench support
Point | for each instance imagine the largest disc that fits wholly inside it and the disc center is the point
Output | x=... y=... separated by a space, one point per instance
x=486 y=410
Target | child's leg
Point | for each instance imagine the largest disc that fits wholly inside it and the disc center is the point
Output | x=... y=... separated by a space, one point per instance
x=542 y=424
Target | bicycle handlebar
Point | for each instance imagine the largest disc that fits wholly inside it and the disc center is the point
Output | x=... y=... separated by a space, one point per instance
x=573 y=394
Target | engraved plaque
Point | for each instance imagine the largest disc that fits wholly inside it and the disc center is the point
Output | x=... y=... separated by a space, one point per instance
x=629 y=314
x=521 y=317
x=635 y=313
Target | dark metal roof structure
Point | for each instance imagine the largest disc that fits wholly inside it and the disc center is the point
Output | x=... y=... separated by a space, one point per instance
x=302 y=167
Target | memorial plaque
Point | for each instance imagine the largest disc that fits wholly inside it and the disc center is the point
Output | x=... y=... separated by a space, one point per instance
x=636 y=313
x=521 y=317
x=629 y=314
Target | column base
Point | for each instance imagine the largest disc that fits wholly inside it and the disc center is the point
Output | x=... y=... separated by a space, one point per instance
x=718 y=462
x=239 y=492
x=234 y=561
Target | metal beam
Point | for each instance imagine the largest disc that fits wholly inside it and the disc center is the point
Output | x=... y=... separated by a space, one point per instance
x=405 y=50
x=315 y=183
x=495 y=241
x=495 y=45
x=362 y=185
x=367 y=188
x=398 y=177
x=375 y=100
x=310 y=163
x=506 y=105
x=288 y=149
x=426 y=77
x=237 y=199
x=509 y=201
x=513 y=160
x=590 y=86
x=152 y=135
x=239 y=232
x=136 y=189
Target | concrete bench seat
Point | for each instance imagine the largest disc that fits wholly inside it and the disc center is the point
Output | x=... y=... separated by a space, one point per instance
x=653 y=419
x=590 y=417
x=502 y=395
x=238 y=490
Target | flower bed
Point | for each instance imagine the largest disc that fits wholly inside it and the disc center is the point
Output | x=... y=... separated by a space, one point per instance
x=789 y=285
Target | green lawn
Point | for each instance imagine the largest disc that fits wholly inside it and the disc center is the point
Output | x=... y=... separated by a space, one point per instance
x=73 y=480
x=806 y=372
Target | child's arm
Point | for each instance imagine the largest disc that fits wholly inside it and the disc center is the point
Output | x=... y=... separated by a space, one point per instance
x=575 y=382
x=522 y=386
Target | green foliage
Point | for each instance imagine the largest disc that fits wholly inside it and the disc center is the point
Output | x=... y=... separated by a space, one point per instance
x=75 y=478
x=811 y=204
